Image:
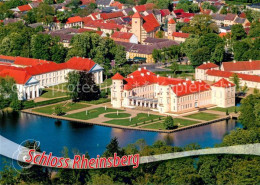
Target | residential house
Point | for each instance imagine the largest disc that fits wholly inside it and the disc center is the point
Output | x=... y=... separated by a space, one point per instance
x=124 y=37
x=179 y=36
x=74 y=22
x=104 y=3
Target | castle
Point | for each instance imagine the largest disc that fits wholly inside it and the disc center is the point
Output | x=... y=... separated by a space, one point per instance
x=143 y=88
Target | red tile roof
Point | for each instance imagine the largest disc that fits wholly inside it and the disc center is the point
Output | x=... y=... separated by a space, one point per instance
x=102 y=25
x=226 y=74
x=29 y=61
x=86 y=2
x=137 y=15
x=179 y=34
x=117 y=76
x=20 y=75
x=117 y=4
x=150 y=23
x=145 y=77
x=78 y=63
x=186 y=20
x=74 y=20
x=121 y=35
x=207 y=66
x=86 y=19
x=106 y=16
x=165 y=12
x=241 y=65
x=142 y=8
x=171 y=21
x=179 y=11
x=223 y=83
x=189 y=87
x=230 y=16
x=24 y=8
x=82 y=30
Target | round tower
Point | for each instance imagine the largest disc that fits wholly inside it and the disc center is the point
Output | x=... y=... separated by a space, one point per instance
x=171 y=27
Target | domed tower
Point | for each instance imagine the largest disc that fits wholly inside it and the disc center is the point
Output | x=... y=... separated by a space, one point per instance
x=117 y=88
x=171 y=27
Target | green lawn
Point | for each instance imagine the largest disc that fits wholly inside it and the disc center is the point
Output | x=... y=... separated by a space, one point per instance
x=160 y=125
x=99 y=101
x=65 y=107
x=120 y=115
x=106 y=83
x=62 y=86
x=47 y=93
x=140 y=118
x=203 y=116
x=93 y=113
x=230 y=109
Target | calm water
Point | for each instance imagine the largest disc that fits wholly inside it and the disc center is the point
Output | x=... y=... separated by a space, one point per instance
x=19 y=127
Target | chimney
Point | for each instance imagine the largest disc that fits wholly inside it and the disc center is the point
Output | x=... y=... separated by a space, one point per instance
x=144 y=67
x=169 y=76
x=148 y=73
x=192 y=82
x=184 y=83
x=208 y=61
x=250 y=60
x=234 y=61
x=187 y=79
x=157 y=76
x=142 y=74
x=199 y=80
x=131 y=76
x=204 y=62
x=139 y=69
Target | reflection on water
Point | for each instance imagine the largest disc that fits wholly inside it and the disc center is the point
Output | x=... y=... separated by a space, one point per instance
x=55 y=134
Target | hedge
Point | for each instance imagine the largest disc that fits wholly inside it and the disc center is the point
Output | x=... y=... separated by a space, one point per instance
x=32 y=104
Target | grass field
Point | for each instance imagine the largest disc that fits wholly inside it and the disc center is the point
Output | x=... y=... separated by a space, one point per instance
x=140 y=118
x=203 y=116
x=120 y=115
x=93 y=113
x=47 y=93
x=65 y=107
x=230 y=109
x=99 y=101
x=177 y=121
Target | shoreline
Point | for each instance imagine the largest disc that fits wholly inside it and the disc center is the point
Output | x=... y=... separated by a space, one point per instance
x=127 y=127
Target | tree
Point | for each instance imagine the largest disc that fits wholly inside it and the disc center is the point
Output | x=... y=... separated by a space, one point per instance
x=63 y=16
x=183 y=6
x=210 y=40
x=174 y=67
x=44 y=13
x=223 y=10
x=16 y=104
x=160 y=4
x=248 y=117
x=58 y=110
x=156 y=54
x=190 y=45
x=236 y=81
x=169 y=123
x=72 y=85
x=199 y=56
x=240 y=47
x=159 y=34
x=8 y=175
x=113 y=147
x=238 y=32
x=101 y=179
x=194 y=8
x=206 y=5
x=218 y=54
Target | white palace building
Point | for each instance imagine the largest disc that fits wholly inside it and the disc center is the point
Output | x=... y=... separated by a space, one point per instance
x=33 y=74
x=143 y=88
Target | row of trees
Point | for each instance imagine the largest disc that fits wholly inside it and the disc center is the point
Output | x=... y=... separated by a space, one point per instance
x=19 y=40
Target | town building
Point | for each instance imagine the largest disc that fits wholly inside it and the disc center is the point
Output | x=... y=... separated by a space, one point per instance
x=143 y=88
x=124 y=37
x=143 y=52
x=247 y=72
x=179 y=36
x=245 y=67
x=171 y=28
x=144 y=26
x=74 y=22
x=34 y=74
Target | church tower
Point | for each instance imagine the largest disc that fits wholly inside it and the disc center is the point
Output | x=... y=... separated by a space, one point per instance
x=137 y=23
x=171 y=28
